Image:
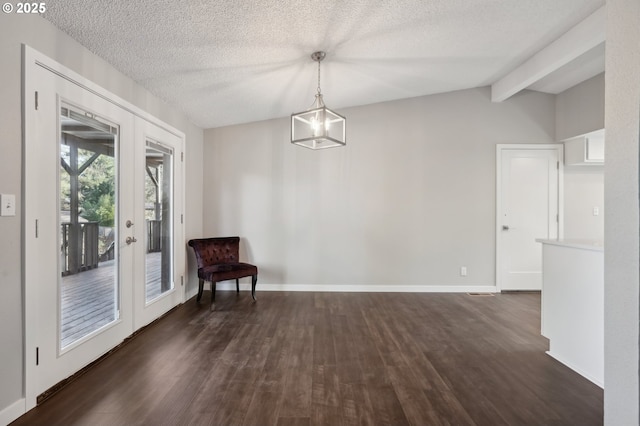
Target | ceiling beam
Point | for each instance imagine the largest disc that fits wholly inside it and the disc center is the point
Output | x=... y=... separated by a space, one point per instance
x=578 y=40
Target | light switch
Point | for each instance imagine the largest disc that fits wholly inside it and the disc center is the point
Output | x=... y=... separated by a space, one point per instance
x=7 y=205
x=596 y=211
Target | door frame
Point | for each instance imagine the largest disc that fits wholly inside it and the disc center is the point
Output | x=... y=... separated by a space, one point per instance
x=32 y=61
x=500 y=149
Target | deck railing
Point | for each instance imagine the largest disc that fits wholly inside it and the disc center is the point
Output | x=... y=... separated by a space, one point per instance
x=154 y=236
x=84 y=255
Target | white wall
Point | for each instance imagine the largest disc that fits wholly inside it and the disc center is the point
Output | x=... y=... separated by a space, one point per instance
x=580 y=110
x=408 y=201
x=584 y=191
x=39 y=34
x=622 y=265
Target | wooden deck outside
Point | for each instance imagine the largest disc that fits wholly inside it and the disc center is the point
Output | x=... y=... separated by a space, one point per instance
x=88 y=301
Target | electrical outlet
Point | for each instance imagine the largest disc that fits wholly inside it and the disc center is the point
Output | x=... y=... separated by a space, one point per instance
x=7 y=205
x=596 y=211
x=463 y=271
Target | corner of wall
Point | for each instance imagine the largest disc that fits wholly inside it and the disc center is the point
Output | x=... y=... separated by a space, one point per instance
x=580 y=109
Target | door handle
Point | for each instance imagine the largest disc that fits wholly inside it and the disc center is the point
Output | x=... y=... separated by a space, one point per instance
x=129 y=224
x=130 y=240
x=505 y=227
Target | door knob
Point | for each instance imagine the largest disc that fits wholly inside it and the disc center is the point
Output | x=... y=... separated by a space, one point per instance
x=505 y=227
x=130 y=240
x=129 y=224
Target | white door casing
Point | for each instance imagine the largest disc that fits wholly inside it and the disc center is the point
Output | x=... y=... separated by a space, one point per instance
x=528 y=194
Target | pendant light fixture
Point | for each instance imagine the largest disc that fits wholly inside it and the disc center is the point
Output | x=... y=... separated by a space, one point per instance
x=318 y=127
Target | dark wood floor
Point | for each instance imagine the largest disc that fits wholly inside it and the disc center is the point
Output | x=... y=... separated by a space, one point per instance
x=333 y=359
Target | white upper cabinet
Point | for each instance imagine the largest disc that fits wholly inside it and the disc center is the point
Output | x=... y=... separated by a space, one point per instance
x=587 y=149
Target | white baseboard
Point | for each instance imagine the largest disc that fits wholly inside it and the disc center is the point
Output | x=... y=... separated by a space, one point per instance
x=194 y=292
x=230 y=285
x=12 y=412
x=577 y=370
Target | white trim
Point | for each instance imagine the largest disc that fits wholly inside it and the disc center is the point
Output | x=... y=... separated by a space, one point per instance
x=359 y=288
x=12 y=412
x=503 y=147
x=34 y=57
x=30 y=310
x=576 y=369
x=194 y=291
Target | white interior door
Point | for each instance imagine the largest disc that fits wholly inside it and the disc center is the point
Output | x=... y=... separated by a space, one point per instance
x=104 y=246
x=528 y=193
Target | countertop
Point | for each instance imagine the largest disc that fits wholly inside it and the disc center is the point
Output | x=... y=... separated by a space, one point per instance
x=575 y=243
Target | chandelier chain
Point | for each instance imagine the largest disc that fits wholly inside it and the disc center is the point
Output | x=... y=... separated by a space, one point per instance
x=319 y=78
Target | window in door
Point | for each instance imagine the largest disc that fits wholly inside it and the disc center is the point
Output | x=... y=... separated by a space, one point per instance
x=88 y=286
x=159 y=219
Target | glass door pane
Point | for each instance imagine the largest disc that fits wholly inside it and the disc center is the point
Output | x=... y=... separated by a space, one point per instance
x=87 y=217
x=158 y=190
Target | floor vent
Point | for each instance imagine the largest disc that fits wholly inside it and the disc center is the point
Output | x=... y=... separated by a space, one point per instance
x=480 y=294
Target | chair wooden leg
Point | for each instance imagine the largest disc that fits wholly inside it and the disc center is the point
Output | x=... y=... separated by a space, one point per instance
x=237 y=285
x=200 y=290
x=213 y=294
x=254 y=280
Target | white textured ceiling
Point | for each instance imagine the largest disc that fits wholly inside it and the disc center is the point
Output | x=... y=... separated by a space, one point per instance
x=227 y=62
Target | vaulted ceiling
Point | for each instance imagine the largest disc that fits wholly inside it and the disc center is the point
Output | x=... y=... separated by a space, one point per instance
x=228 y=62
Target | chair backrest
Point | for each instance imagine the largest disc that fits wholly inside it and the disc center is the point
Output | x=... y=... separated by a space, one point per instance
x=213 y=251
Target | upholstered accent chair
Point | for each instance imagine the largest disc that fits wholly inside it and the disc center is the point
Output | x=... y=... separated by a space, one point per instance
x=218 y=260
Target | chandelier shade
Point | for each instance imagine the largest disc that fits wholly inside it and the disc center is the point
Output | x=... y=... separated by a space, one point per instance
x=318 y=127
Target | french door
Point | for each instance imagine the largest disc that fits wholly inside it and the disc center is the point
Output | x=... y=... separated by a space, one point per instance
x=103 y=218
x=158 y=223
